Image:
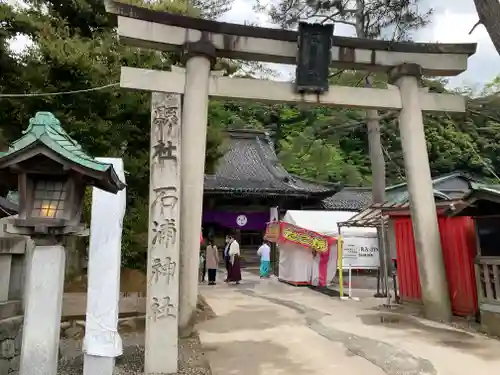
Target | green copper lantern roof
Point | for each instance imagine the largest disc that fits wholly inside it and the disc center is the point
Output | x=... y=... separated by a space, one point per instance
x=45 y=129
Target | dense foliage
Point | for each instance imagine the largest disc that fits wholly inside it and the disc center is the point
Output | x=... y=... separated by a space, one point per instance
x=74 y=47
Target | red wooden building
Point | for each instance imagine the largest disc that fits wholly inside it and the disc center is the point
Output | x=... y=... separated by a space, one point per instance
x=482 y=204
x=458 y=242
x=459 y=249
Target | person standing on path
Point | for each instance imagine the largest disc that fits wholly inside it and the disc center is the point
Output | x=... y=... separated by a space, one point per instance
x=212 y=260
x=202 y=266
x=234 y=274
x=265 y=259
x=226 y=257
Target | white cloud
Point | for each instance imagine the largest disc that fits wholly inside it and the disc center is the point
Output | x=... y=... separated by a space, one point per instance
x=242 y=11
x=451 y=24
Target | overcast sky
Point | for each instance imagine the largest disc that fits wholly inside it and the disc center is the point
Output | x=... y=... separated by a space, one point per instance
x=451 y=23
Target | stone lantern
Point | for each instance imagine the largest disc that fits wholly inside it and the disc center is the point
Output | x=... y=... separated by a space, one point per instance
x=51 y=172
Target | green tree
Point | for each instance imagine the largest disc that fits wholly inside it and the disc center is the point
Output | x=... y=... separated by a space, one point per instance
x=75 y=48
x=308 y=156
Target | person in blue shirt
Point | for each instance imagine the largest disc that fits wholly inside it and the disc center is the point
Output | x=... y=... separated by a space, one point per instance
x=265 y=259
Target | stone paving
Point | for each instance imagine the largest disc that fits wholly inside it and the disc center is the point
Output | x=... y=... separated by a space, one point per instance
x=266 y=327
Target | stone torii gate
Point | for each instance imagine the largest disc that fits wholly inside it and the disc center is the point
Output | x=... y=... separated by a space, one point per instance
x=177 y=184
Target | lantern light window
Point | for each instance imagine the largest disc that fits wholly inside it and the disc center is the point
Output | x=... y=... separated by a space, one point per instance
x=49 y=198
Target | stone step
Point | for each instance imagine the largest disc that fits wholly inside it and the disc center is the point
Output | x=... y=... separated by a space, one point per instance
x=8 y=309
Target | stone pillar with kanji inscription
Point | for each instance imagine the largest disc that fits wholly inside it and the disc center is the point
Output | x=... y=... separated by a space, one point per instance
x=161 y=346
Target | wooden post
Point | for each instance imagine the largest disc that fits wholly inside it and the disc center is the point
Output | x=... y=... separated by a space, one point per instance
x=161 y=349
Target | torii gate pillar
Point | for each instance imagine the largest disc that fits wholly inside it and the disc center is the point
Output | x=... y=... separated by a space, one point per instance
x=200 y=56
x=419 y=181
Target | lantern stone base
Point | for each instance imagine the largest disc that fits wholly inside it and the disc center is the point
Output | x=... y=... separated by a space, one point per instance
x=42 y=319
x=32 y=228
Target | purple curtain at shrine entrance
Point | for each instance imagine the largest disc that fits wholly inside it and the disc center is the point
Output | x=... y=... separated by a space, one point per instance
x=237 y=220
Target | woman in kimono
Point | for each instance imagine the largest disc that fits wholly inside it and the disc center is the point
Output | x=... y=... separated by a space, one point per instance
x=234 y=274
x=212 y=262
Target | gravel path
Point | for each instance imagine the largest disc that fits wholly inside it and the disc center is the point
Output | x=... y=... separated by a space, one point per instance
x=192 y=359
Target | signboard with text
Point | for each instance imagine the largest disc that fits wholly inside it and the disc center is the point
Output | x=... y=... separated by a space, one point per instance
x=273 y=232
x=284 y=232
x=360 y=252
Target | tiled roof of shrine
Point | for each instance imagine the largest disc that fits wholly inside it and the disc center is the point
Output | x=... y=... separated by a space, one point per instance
x=349 y=199
x=481 y=200
x=447 y=186
x=250 y=167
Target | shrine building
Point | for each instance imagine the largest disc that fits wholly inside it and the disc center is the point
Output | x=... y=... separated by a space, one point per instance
x=248 y=181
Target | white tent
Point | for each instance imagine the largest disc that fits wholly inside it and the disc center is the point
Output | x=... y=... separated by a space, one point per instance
x=360 y=244
x=325 y=222
x=300 y=265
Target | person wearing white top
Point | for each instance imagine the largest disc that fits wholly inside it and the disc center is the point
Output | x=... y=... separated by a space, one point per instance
x=234 y=271
x=265 y=259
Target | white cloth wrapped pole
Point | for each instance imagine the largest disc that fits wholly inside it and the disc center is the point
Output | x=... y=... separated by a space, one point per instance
x=103 y=293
